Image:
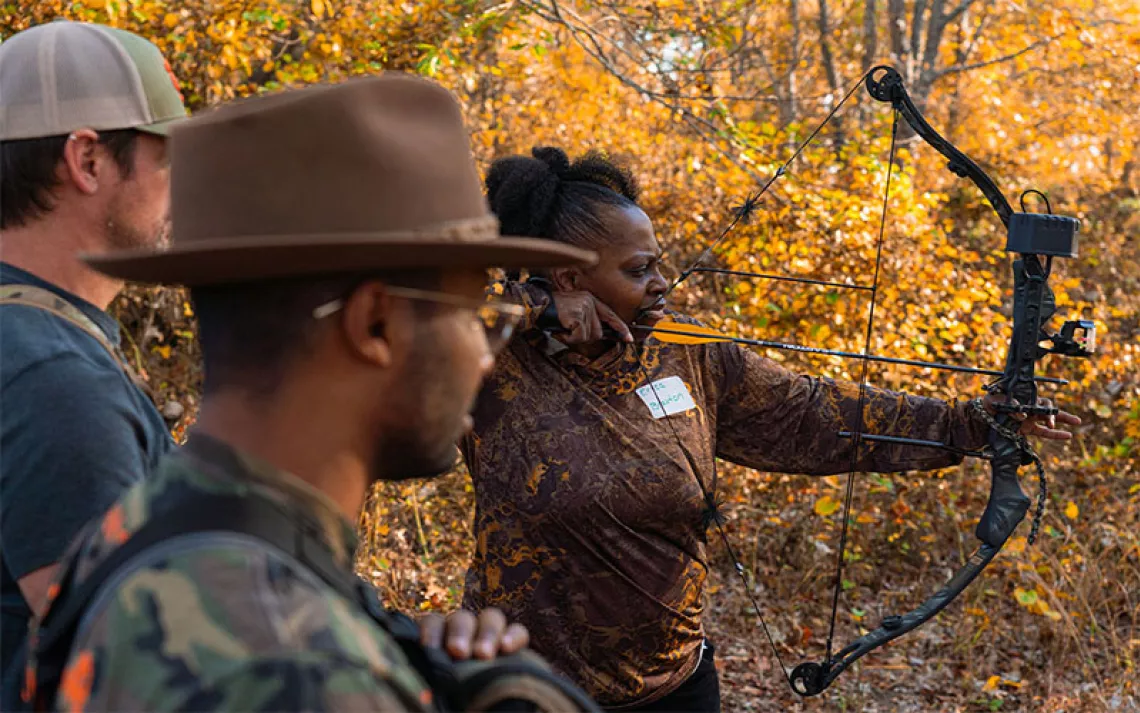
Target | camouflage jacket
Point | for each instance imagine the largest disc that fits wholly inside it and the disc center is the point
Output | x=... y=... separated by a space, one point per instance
x=219 y=621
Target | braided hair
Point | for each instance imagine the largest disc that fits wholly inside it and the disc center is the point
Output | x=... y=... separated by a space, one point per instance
x=546 y=196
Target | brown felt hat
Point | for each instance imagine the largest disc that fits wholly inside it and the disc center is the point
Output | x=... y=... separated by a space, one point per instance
x=369 y=174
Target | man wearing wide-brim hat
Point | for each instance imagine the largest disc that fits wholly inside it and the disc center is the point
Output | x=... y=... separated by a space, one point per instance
x=335 y=241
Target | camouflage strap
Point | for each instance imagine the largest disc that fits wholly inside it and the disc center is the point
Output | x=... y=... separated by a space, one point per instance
x=498 y=685
x=39 y=298
x=488 y=686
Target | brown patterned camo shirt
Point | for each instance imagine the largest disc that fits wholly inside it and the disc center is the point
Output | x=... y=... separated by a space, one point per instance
x=588 y=515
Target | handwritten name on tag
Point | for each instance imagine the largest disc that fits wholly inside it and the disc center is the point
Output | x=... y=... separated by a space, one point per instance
x=667 y=397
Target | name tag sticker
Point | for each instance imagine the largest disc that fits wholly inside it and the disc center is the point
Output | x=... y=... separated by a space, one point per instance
x=667 y=397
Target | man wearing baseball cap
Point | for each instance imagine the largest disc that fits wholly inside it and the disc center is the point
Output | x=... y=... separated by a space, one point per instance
x=336 y=242
x=84 y=111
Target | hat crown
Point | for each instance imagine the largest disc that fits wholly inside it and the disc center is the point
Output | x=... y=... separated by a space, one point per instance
x=62 y=75
x=385 y=154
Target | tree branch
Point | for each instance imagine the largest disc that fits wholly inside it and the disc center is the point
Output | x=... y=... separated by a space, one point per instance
x=939 y=74
x=962 y=7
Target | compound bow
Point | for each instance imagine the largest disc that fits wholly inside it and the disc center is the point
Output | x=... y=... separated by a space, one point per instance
x=1035 y=239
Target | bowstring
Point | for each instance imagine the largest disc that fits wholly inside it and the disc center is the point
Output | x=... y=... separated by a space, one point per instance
x=744 y=211
x=741 y=214
x=857 y=436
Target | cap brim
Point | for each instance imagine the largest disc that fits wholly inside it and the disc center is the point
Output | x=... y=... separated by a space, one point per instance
x=162 y=128
x=222 y=261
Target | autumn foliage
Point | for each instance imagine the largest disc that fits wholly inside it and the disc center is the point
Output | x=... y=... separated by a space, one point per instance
x=706 y=100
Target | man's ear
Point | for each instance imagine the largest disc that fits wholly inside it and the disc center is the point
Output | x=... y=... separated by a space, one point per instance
x=367 y=321
x=82 y=165
x=565 y=279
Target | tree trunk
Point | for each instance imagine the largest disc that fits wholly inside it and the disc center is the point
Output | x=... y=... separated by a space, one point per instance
x=896 y=23
x=870 y=35
x=832 y=75
x=917 y=18
x=791 y=108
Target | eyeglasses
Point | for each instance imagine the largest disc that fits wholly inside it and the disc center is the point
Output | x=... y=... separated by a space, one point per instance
x=498 y=319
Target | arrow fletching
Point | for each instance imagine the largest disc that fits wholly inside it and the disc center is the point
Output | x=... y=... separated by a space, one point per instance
x=669 y=332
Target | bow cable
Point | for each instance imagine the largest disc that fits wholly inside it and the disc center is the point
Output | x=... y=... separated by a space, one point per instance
x=857 y=438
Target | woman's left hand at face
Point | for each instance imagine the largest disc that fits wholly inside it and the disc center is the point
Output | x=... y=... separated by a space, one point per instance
x=1038 y=426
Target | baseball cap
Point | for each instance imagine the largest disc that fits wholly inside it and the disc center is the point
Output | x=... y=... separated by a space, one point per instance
x=62 y=75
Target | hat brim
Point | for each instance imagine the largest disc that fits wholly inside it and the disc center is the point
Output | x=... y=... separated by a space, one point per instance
x=205 y=262
x=161 y=128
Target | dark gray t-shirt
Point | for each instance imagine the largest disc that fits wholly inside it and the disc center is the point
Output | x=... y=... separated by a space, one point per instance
x=75 y=432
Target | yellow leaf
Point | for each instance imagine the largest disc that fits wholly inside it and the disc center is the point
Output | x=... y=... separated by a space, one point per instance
x=991 y=683
x=1071 y=510
x=170 y=20
x=163 y=350
x=383 y=530
x=1026 y=597
x=826 y=506
x=318 y=8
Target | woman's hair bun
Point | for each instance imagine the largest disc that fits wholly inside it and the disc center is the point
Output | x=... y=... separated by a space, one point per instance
x=521 y=192
x=554 y=158
x=533 y=195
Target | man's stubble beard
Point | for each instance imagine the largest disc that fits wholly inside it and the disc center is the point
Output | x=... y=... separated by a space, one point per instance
x=416 y=452
x=408 y=461
x=121 y=235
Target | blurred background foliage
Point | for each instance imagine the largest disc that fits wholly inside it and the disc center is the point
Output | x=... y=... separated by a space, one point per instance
x=705 y=99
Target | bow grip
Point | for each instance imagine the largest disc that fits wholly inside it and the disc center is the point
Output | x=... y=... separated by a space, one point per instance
x=1008 y=503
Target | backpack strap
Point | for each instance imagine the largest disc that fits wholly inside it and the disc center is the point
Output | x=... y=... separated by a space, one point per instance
x=455 y=685
x=48 y=301
x=57 y=629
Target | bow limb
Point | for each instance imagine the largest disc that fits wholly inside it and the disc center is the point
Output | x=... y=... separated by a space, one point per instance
x=889 y=88
x=1004 y=511
x=1007 y=504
